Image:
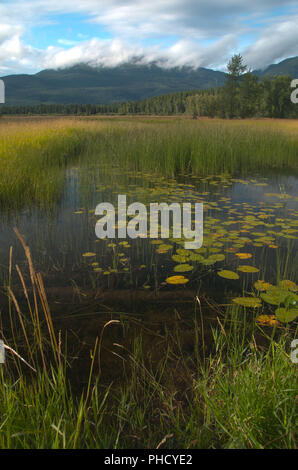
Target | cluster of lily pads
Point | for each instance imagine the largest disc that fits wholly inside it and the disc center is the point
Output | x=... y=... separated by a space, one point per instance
x=234 y=230
x=284 y=297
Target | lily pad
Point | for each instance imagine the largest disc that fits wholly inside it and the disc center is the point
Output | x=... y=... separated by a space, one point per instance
x=268 y=320
x=179 y=258
x=262 y=285
x=182 y=268
x=177 y=280
x=165 y=247
x=253 y=302
x=243 y=255
x=195 y=257
x=226 y=274
x=219 y=257
x=208 y=261
x=275 y=296
x=289 y=285
x=183 y=252
x=286 y=316
x=248 y=269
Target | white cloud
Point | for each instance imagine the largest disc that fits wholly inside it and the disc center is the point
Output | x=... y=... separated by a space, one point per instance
x=115 y=52
x=207 y=32
x=277 y=42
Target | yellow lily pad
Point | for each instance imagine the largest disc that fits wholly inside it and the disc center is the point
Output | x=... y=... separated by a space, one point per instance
x=262 y=285
x=268 y=320
x=248 y=269
x=243 y=255
x=289 y=285
x=175 y=280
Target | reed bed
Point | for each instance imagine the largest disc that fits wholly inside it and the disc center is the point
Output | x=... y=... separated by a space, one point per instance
x=34 y=155
x=199 y=148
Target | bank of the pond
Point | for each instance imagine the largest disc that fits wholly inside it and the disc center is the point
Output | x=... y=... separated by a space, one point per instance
x=33 y=155
x=239 y=392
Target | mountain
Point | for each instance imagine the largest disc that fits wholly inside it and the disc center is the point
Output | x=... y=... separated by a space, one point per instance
x=84 y=84
x=286 y=67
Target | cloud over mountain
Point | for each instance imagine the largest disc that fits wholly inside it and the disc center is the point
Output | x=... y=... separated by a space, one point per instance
x=170 y=32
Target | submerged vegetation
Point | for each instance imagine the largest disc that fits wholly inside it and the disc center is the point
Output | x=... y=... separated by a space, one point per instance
x=142 y=343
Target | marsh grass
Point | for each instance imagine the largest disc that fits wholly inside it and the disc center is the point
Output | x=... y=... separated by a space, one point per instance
x=237 y=390
x=34 y=155
x=200 y=149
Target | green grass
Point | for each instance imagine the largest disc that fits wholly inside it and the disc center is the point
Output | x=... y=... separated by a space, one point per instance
x=199 y=148
x=34 y=155
x=33 y=166
x=233 y=386
x=238 y=397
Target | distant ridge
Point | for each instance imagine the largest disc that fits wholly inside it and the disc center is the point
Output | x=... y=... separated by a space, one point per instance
x=286 y=67
x=83 y=84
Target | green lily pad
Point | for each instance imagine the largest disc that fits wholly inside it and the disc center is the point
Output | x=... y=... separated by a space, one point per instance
x=182 y=268
x=228 y=274
x=289 y=285
x=196 y=257
x=183 y=252
x=179 y=258
x=275 y=296
x=165 y=247
x=253 y=302
x=286 y=316
x=219 y=257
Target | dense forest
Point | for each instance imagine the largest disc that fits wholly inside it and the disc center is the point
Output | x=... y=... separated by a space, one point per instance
x=243 y=95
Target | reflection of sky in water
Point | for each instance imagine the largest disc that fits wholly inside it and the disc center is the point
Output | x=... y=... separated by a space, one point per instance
x=253 y=194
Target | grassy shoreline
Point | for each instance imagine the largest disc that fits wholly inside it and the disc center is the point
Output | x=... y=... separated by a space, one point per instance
x=33 y=158
x=227 y=399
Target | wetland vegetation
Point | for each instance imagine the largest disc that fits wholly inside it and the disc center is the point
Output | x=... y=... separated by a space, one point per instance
x=142 y=343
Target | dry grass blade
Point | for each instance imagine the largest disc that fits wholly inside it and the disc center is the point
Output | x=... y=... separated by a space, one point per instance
x=11 y=294
x=33 y=282
x=20 y=357
x=100 y=341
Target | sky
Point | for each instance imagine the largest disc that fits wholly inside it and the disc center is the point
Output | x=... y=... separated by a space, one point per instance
x=40 y=34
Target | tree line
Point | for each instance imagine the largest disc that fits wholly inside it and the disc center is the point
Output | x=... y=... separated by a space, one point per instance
x=244 y=95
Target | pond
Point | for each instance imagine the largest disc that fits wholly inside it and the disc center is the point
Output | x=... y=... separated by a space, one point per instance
x=250 y=233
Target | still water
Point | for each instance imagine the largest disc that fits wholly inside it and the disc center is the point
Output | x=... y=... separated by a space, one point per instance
x=250 y=229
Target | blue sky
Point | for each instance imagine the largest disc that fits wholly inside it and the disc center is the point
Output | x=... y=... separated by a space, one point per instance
x=38 y=34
